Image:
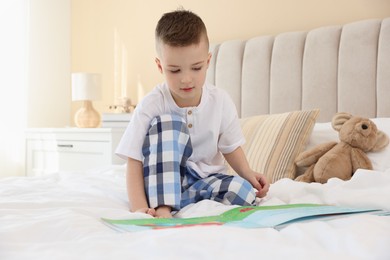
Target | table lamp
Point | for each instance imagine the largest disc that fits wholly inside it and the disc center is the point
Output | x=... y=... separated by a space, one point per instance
x=86 y=87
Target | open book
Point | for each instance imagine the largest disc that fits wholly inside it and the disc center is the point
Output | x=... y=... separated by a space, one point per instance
x=246 y=217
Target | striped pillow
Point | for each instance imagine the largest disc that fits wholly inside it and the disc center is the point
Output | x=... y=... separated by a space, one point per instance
x=273 y=141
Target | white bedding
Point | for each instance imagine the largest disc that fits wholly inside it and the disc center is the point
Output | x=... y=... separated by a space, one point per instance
x=58 y=217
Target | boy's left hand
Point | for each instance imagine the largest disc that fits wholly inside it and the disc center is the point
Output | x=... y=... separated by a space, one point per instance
x=260 y=183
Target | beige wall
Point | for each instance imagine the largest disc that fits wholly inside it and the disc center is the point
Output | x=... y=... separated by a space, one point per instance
x=49 y=63
x=107 y=32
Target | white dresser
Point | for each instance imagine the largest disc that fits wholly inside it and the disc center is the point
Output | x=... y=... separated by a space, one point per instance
x=51 y=150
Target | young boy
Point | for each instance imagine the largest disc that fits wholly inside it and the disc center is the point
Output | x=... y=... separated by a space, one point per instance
x=181 y=131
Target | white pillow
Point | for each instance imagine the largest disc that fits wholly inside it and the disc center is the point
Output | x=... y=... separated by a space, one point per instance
x=323 y=132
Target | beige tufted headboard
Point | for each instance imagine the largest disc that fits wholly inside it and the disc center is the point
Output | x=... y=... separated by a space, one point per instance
x=338 y=68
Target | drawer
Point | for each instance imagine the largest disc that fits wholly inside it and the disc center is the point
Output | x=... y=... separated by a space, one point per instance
x=52 y=156
x=71 y=149
x=68 y=146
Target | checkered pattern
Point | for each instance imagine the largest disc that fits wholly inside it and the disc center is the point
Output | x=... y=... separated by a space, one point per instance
x=168 y=181
x=166 y=149
x=227 y=189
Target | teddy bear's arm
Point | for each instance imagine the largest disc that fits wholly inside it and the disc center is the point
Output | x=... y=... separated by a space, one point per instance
x=360 y=160
x=311 y=156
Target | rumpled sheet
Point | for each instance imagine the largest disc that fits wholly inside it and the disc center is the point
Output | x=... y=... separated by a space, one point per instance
x=58 y=217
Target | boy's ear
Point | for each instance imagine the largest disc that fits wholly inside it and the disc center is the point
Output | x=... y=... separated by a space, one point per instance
x=158 y=63
x=208 y=59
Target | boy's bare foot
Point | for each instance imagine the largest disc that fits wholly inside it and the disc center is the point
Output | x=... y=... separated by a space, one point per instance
x=149 y=211
x=163 y=212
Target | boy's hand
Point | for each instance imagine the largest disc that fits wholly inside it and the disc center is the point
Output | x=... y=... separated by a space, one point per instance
x=260 y=183
x=263 y=185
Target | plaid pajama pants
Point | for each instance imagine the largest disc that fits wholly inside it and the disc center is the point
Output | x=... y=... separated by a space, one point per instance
x=168 y=181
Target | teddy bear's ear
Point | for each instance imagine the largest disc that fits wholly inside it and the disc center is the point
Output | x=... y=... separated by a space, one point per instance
x=339 y=119
x=382 y=140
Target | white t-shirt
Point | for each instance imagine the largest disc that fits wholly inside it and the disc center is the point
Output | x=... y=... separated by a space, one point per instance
x=215 y=128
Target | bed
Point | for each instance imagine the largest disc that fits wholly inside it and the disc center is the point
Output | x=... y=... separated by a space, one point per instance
x=293 y=75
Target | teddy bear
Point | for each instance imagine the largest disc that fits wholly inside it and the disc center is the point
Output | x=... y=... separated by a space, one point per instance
x=357 y=135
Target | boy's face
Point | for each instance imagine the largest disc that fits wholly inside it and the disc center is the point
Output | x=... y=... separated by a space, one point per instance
x=184 y=69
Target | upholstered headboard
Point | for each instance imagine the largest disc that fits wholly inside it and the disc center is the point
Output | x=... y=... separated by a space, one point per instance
x=337 y=68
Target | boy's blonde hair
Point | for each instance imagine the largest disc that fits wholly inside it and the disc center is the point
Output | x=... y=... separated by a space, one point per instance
x=180 y=28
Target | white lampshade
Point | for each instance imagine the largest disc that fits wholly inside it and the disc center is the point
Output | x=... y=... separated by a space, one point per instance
x=86 y=86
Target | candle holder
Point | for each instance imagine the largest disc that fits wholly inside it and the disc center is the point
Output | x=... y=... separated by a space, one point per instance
x=123 y=105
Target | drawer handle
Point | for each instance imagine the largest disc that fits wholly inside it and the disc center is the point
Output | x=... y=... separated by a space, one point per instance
x=65 y=145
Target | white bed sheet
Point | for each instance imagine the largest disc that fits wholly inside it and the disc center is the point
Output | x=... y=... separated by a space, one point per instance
x=58 y=217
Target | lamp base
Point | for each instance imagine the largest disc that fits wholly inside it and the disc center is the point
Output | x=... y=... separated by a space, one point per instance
x=87 y=116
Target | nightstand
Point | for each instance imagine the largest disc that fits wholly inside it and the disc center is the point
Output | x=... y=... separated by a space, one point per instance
x=51 y=150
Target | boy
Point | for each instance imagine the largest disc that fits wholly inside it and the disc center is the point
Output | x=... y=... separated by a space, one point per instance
x=180 y=132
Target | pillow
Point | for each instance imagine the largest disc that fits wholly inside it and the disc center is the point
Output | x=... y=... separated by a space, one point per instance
x=273 y=141
x=323 y=133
